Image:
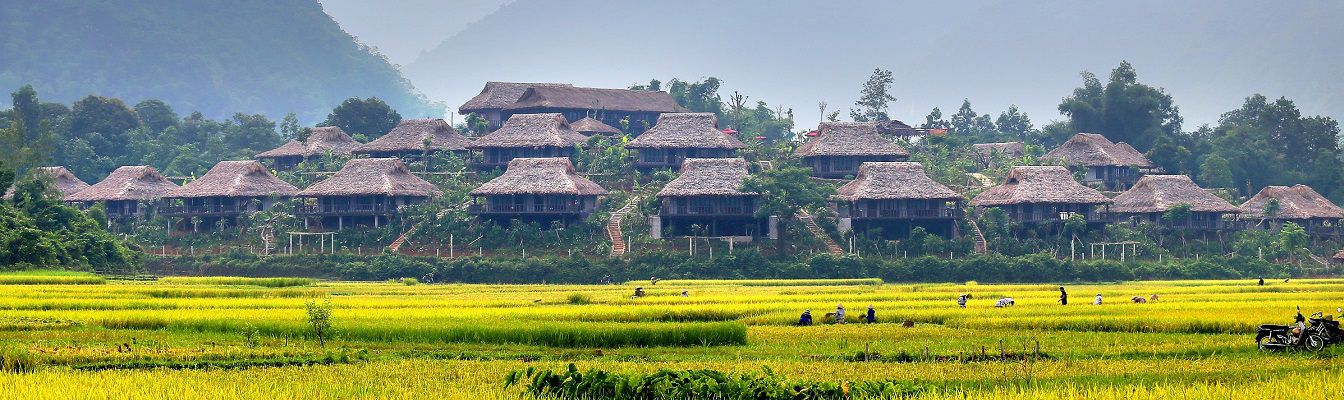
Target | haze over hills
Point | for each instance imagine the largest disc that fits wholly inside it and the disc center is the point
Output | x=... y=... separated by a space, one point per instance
x=253 y=56
x=1208 y=55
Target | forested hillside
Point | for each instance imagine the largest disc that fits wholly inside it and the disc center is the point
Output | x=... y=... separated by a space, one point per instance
x=266 y=57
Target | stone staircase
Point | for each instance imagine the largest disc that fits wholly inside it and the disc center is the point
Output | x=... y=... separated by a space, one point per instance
x=831 y=246
x=618 y=245
x=981 y=246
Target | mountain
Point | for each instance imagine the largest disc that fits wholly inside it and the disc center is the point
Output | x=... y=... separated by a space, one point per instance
x=255 y=56
x=1209 y=55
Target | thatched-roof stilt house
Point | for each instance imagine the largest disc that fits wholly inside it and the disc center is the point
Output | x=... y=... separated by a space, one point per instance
x=894 y=197
x=541 y=190
x=129 y=192
x=840 y=147
x=407 y=140
x=229 y=190
x=638 y=107
x=1154 y=195
x=366 y=191
x=1112 y=166
x=1299 y=204
x=679 y=136
x=527 y=136
x=494 y=97
x=590 y=126
x=707 y=199
x=62 y=180
x=1043 y=195
x=322 y=140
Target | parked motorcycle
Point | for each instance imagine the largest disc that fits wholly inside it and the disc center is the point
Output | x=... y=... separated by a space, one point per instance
x=1281 y=337
x=1327 y=327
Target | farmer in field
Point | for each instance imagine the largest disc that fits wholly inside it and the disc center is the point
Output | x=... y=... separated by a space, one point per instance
x=1004 y=302
x=1097 y=302
x=1262 y=281
x=871 y=317
x=839 y=313
x=1063 y=297
x=1138 y=299
x=961 y=300
x=639 y=292
x=805 y=319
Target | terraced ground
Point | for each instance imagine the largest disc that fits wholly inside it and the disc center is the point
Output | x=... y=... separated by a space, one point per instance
x=63 y=336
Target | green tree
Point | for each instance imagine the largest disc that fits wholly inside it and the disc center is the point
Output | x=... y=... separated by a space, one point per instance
x=1215 y=172
x=1124 y=110
x=371 y=117
x=935 y=120
x=874 y=97
x=27 y=110
x=1177 y=213
x=290 y=129
x=700 y=96
x=6 y=176
x=1015 y=123
x=156 y=115
x=785 y=190
x=1292 y=239
x=103 y=122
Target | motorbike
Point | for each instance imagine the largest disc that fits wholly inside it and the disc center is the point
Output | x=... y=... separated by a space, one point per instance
x=1327 y=327
x=1282 y=337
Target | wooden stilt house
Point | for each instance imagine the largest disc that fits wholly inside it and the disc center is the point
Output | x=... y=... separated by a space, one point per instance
x=891 y=198
x=681 y=136
x=1153 y=196
x=527 y=136
x=840 y=147
x=366 y=191
x=540 y=190
x=128 y=193
x=230 y=190
x=1038 y=195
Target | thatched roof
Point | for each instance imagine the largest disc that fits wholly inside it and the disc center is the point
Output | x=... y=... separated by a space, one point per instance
x=686 y=130
x=709 y=177
x=1009 y=149
x=896 y=128
x=409 y=137
x=1295 y=202
x=235 y=179
x=850 y=139
x=497 y=95
x=126 y=183
x=372 y=177
x=591 y=126
x=570 y=97
x=321 y=140
x=1159 y=193
x=531 y=130
x=1093 y=150
x=1039 y=184
x=540 y=176
x=1339 y=255
x=63 y=181
x=894 y=180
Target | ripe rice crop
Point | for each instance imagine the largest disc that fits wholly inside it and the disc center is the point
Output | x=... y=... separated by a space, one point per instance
x=238 y=281
x=50 y=277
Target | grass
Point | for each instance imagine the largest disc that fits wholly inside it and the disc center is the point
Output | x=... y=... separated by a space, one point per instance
x=50 y=277
x=220 y=338
x=238 y=281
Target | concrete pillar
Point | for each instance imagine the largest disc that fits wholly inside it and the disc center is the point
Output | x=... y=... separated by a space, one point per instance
x=656 y=227
x=773 y=227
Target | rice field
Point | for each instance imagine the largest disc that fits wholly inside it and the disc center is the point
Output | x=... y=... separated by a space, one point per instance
x=251 y=338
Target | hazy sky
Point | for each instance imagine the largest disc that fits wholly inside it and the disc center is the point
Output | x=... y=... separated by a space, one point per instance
x=401 y=29
x=1209 y=55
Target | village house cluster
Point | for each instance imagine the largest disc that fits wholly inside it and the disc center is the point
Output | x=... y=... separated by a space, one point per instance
x=536 y=127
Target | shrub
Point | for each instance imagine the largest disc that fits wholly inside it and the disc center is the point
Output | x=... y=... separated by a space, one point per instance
x=579 y=298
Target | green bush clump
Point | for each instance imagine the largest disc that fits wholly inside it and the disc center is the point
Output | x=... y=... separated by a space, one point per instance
x=238 y=281
x=697 y=384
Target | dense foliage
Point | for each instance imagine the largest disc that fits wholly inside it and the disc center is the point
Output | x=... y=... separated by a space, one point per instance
x=38 y=231
x=260 y=57
x=694 y=384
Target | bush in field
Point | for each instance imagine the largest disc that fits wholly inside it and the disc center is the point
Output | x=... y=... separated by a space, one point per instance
x=238 y=281
x=14 y=360
x=319 y=320
x=579 y=298
x=696 y=384
x=410 y=281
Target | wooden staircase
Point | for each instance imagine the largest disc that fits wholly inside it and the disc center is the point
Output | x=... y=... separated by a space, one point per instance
x=831 y=246
x=981 y=246
x=618 y=245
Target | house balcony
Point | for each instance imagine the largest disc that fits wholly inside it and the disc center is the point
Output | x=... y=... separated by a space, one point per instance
x=524 y=209
x=707 y=211
x=935 y=213
x=203 y=211
x=345 y=210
